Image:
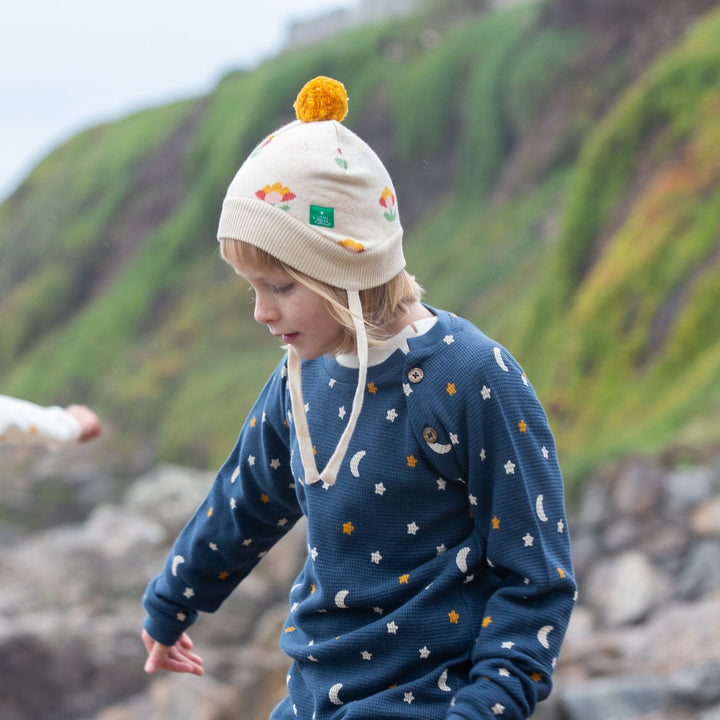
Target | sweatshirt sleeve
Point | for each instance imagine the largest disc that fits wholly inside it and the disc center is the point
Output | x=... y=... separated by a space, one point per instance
x=250 y=506
x=516 y=496
x=23 y=422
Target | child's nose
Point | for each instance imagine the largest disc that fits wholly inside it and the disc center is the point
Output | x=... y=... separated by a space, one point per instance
x=265 y=311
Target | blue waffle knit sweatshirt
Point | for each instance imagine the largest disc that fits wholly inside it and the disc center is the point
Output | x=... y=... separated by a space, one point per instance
x=438 y=581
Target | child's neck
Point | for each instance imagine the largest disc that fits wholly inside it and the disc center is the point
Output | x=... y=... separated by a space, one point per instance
x=417 y=311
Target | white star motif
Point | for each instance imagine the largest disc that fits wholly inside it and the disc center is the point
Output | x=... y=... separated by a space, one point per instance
x=406 y=388
x=441 y=483
x=247 y=542
x=312 y=659
x=528 y=540
x=283 y=372
x=561 y=526
x=282 y=522
x=314 y=553
x=213 y=547
x=332 y=382
x=498 y=709
x=392 y=627
x=525 y=379
x=508 y=645
x=448 y=339
x=509 y=467
x=251 y=459
x=378 y=610
x=454 y=438
x=325 y=486
x=376 y=557
x=189 y=592
x=232 y=503
x=485 y=392
x=441 y=549
x=181 y=617
x=545 y=452
x=341 y=412
x=391 y=415
x=275 y=463
x=264 y=416
x=504 y=672
x=366 y=655
x=424 y=653
x=473 y=499
x=409 y=697
x=294 y=607
x=379 y=489
x=412 y=528
x=235 y=474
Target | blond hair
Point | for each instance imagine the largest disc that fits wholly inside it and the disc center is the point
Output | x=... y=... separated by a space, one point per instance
x=382 y=306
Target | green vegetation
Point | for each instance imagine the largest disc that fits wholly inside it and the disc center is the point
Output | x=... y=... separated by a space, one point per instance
x=573 y=217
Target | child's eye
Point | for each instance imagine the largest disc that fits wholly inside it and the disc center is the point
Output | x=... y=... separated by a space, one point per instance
x=280 y=289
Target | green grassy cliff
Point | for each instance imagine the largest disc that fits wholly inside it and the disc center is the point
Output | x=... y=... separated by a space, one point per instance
x=558 y=179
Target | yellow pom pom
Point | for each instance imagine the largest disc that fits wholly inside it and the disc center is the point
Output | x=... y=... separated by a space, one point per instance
x=322 y=99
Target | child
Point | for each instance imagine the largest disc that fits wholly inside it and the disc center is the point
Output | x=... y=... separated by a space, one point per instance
x=438 y=579
x=25 y=422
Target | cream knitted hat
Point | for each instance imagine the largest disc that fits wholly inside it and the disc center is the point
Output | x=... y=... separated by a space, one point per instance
x=317 y=197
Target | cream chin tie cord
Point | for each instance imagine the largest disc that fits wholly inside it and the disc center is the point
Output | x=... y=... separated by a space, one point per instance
x=329 y=474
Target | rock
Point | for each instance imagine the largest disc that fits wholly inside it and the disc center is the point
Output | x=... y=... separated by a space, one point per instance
x=623 y=698
x=626 y=588
x=705 y=520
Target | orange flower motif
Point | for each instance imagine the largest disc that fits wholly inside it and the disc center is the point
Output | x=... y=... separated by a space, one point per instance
x=352 y=245
x=387 y=200
x=276 y=194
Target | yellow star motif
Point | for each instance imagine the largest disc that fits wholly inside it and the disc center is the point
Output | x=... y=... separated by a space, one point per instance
x=210 y=512
x=496 y=523
x=265 y=499
x=253 y=422
x=286 y=423
x=522 y=425
x=486 y=621
x=314 y=450
x=224 y=575
x=536 y=676
x=451 y=389
x=454 y=617
x=372 y=387
x=348 y=528
x=312 y=589
x=561 y=572
x=290 y=629
x=411 y=461
x=404 y=579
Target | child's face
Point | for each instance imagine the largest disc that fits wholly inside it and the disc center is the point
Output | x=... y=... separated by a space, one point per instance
x=293 y=312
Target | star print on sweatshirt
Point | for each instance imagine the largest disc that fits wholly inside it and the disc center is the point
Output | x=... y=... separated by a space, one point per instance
x=438 y=580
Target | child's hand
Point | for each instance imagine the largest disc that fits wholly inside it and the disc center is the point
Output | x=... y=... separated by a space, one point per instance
x=179 y=658
x=90 y=426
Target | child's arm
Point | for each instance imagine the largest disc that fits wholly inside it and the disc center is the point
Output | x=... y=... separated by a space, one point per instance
x=517 y=502
x=25 y=422
x=250 y=506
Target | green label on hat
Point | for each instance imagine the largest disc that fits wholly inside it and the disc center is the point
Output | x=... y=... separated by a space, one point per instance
x=322 y=216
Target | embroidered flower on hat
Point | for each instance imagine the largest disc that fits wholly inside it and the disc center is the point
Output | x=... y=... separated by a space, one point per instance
x=352 y=245
x=341 y=161
x=387 y=200
x=276 y=194
x=260 y=147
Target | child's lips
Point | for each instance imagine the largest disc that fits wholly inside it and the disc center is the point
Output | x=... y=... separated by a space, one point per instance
x=289 y=337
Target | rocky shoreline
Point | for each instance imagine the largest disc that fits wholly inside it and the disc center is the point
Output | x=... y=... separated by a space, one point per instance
x=644 y=641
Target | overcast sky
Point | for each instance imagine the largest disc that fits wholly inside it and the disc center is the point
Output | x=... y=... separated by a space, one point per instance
x=66 y=65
